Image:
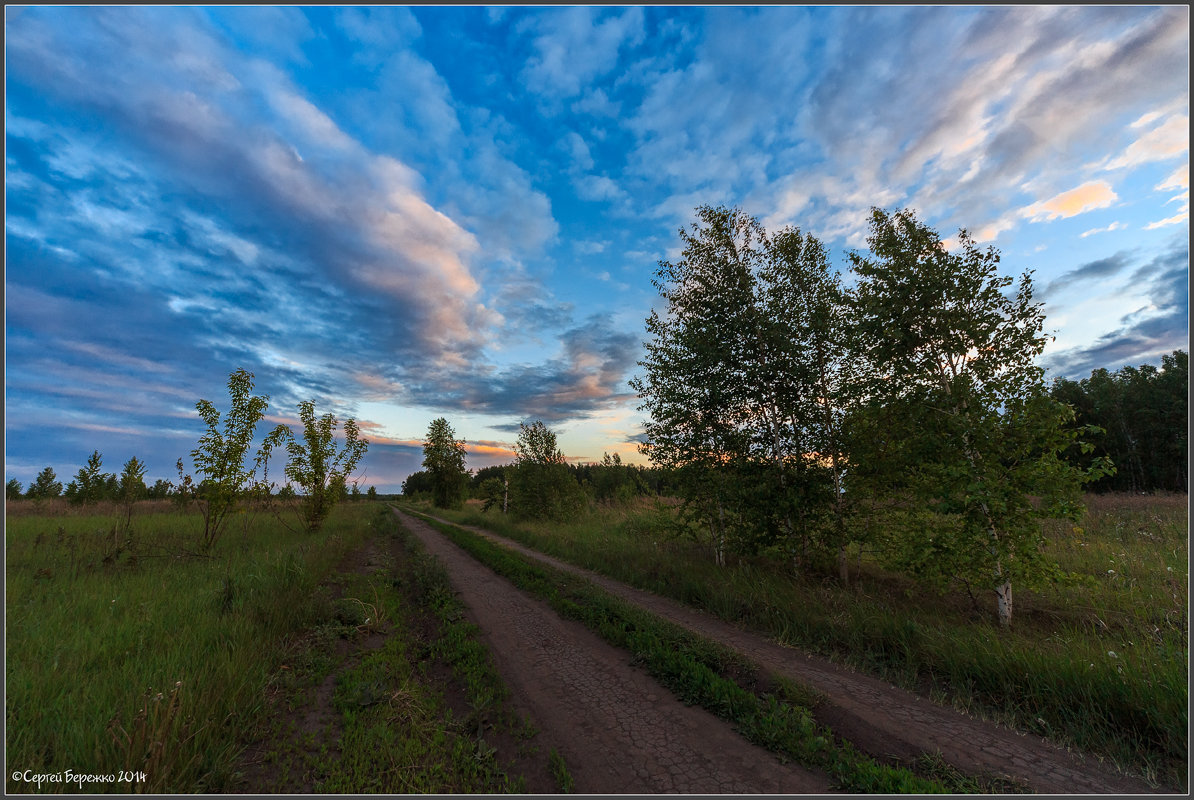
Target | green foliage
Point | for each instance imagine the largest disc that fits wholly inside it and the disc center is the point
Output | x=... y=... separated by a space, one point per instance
x=1138 y=420
x=318 y=467
x=12 y=489
x=493 y=493
x=444 y=459
x=957 y=420
x=744 y=383
x=90 y=483
x=371 y=494
x=220 y=455
x=132 y=481
x=45 y=487
x=418 y=483
x=541 y=484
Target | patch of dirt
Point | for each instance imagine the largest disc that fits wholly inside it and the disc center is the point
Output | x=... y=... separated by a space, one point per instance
x=617 y=729
x=884 y=721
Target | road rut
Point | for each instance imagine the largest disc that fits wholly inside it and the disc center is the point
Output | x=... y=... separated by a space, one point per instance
x=882 y=719
x=618 y=730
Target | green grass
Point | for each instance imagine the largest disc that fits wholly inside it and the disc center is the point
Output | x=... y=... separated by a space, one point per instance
x=1100 y=666
x=151 y=658
x=394 y=730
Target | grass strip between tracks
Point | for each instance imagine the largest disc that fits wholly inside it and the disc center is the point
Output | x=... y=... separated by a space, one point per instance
x=700 y=672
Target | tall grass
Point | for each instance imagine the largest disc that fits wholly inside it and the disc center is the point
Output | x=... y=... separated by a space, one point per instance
x=146 y=656
x=1101 y=665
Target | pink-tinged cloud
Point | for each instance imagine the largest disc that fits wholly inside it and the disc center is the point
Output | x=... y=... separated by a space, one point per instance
x=477 y=448
x=1087 y=197
x=1168 y=140
x=1178 y=179
x=1176 y=219
x=1114 y=226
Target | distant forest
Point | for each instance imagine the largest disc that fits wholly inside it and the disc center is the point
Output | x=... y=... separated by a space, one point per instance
x=1143 y=414
x=1138 y=418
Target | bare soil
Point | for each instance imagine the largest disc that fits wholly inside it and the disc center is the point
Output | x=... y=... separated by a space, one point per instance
x=622 y=732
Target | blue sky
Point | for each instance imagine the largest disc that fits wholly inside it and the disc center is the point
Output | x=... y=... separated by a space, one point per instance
x=448 y=211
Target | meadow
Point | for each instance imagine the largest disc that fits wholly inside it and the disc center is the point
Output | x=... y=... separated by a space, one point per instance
x=1100 y=665
x=144 y=660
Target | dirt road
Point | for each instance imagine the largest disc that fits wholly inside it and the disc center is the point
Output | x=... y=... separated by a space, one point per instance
x=878 y=718
x=618 y=730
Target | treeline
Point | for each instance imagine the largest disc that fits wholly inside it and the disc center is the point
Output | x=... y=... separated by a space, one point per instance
x=1142 y=416
x=609 y=481
x=91 y=485
x=540 y=484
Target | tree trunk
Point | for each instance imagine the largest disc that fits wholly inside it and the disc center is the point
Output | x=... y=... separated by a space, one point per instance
x=1003 y=596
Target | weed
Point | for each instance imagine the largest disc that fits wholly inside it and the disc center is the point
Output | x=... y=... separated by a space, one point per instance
x=559 y=771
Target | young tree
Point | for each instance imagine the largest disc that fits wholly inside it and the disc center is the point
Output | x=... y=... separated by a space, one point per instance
x=320 y=470
x=960 y=416
x=132 y=489
x=45 y=487
x=541 y=484
x=90 y=481
x=12 y=489
x=220 y=455
x=371 y=495
x=443 y=457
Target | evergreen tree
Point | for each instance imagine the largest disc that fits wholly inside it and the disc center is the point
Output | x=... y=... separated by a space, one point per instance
x=45 y=487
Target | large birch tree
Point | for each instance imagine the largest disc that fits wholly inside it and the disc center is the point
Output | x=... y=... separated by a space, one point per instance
x=960 y=422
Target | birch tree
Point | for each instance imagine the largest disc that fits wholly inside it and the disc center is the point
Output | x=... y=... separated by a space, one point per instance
x=444 y=458
x=318 y=466
x=960 y=420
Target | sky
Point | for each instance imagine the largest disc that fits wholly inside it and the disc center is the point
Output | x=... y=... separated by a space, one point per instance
x=409 y=213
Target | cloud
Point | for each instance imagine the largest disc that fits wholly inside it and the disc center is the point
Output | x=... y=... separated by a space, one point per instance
x=1114 y=226
x=588 y=375
x=1176 y=219
x=1089 y=196
x=1095 y=270
x=1144 y=335
x=576 y=45
x=598 y=188
x=578 y=151
x=1178 y=179
x=1168 y=140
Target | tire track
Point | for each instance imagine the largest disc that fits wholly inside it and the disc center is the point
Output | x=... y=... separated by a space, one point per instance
x=618 y=730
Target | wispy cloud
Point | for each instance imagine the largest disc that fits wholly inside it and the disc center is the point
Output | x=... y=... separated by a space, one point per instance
x=1114 y=226
x=1089 y=196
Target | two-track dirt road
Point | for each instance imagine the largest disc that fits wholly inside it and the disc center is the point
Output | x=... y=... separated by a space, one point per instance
x=622 y=732
x=617 y=729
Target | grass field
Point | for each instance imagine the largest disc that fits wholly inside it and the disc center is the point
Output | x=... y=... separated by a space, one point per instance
x=145 y=661
x=1100 y=665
